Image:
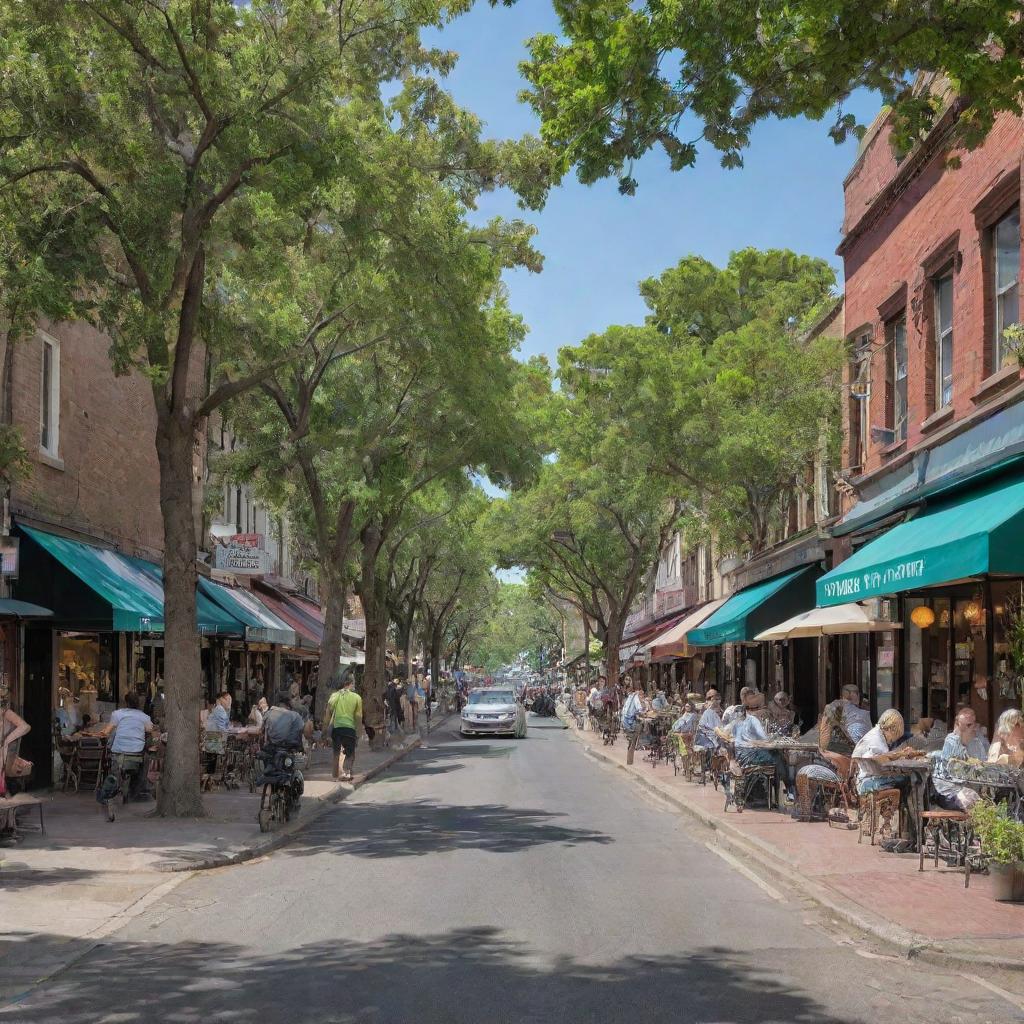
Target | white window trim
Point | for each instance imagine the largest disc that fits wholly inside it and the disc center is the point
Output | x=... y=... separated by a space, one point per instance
x=53 y=427
x=940 y=367
x=998 y=292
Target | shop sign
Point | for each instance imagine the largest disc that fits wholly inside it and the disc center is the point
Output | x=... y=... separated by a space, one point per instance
x=876 y=580
x=10 y=548
x=242 y=554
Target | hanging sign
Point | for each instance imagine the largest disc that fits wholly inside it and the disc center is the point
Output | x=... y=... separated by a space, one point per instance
x=243 y=554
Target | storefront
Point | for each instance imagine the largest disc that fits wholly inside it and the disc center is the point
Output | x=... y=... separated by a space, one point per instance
x=732 y=627
x=687 y=669
x=954 y=573
x=103 y=637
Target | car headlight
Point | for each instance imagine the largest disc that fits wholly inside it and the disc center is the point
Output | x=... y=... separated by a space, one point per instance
x=465 y=713
x=510 y=717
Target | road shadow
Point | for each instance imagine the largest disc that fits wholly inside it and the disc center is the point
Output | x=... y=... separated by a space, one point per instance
x=466 y=976
x=417 y=827
x=16 y=877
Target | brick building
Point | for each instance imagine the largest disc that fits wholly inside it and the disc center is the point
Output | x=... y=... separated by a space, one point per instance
x=86 y=519
x=933 y=420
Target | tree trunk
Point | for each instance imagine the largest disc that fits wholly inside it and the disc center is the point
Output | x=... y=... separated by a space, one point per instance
x=329 y=670
x=374 y=608
x=612 y=644
x=435 y=659
x=179 y=783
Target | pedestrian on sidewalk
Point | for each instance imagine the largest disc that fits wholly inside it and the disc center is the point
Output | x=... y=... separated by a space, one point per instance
x=635 y=706
x=344 y=715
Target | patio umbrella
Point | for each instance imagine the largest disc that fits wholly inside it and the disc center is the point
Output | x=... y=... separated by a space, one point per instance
x=834 y=621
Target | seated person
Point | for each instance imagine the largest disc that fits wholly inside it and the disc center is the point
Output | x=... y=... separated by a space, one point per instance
x=660 y=702
x=739 y=710
x=744 y=731
x=780 y=710
x=219 y=717
x=1008 y=746
x=686 y=723
x=709 y=723
x=963 y=742
x=875 y=748
x=852 y=720
x=130 y=727
x=257 y=713
x=282 y=726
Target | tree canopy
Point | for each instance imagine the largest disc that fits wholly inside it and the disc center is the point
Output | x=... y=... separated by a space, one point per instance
x=624 y=77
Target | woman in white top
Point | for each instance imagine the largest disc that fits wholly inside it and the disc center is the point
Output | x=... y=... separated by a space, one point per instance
x=874 y=748
x=1008 y=746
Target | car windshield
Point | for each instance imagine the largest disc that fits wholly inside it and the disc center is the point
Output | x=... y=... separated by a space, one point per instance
x=492 y=697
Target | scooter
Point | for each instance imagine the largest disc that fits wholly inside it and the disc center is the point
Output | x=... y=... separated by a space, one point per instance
x=282 y=784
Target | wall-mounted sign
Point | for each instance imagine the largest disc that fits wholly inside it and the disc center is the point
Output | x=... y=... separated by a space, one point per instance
x=243 y=554
x=10 y=548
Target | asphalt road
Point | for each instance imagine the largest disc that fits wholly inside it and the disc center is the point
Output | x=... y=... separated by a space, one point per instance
x=489 y=881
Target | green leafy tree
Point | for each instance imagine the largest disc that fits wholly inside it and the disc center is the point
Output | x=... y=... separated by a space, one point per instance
x=594 y=523
x=519 y=624
x=722 y=391
x=624 y=77
x=165 y=129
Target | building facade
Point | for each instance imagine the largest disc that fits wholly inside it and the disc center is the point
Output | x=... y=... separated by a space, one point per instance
x=932 y=412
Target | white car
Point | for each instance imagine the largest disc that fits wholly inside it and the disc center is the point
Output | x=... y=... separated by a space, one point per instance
x=493 y=710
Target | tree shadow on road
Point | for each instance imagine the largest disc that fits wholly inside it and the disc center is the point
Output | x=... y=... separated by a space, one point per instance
x=417 y=827
x=467 y=976
x=16 y=877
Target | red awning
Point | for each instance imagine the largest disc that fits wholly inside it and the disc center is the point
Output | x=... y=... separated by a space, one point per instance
x=309 y=627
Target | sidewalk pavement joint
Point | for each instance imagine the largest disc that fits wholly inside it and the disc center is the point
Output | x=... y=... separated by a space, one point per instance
x=909 y=943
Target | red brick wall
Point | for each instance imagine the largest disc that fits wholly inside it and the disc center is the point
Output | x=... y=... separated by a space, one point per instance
x=108 y=487
x=894 y=245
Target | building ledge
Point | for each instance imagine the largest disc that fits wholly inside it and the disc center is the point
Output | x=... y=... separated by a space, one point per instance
x=51 y=460
x=997 y=382
x=895 y=448
x=937 y=419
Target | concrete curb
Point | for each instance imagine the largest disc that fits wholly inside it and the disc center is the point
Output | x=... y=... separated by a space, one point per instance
x=906 y=942
x=311 y=811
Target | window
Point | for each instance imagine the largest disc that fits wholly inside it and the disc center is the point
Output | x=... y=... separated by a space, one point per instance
x=49 y=398
x=860 y=401
x=943 y=289
x=896 y=378
x=1006 y=273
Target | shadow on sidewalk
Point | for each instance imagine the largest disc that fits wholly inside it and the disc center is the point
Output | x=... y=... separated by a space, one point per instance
x=459 y=977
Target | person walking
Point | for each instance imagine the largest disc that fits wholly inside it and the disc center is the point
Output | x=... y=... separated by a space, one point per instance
x=632 y=710
x=343 y=717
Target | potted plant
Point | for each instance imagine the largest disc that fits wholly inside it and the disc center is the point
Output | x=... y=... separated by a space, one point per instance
x=1002 y=843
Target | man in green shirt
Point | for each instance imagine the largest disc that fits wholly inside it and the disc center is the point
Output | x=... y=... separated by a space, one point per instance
x=342 y=719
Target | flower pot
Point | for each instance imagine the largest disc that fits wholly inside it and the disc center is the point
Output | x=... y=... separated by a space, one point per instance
x=1008 y=882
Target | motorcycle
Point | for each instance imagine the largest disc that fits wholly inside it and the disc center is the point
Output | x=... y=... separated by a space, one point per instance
x=282 y=784
x=544 y=705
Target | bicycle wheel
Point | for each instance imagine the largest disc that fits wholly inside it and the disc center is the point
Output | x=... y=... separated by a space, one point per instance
x=265 y=816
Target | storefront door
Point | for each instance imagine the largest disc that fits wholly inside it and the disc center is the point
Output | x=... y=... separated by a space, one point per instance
x=37 y=746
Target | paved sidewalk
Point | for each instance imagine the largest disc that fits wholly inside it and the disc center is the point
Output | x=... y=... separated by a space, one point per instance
x=929 y=915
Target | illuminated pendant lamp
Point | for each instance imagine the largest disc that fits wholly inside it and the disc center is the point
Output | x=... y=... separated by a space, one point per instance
x=922 y=616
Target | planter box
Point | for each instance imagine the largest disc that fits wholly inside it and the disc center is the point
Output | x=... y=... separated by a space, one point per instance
x=1008 y=882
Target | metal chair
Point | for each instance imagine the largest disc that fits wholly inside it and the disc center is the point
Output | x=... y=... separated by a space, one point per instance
x=953 y=826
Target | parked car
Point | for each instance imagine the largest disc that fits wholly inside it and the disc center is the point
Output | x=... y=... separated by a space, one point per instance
x=493 y=710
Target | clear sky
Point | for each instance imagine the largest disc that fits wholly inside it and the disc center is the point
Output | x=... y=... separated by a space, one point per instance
x=597 y=244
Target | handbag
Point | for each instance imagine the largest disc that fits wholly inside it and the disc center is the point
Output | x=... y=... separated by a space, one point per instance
x=18 y=767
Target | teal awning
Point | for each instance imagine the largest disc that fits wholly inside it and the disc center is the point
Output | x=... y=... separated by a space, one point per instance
x=978 y=534
x=261 y=624
x=753 y=610
x=132 y=587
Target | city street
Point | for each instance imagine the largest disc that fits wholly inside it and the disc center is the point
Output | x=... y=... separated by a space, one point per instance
x=491 y=881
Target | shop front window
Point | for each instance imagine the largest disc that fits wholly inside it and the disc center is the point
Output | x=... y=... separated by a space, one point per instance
x=1008 y=609
x=885 y=672
x=87 y=672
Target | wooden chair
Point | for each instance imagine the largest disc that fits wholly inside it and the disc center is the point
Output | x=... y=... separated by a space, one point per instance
x=953 y=825
x=877 y=811
x=89 y=762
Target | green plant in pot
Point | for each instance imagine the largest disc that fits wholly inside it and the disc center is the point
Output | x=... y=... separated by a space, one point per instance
x=1013 y=345
x=1002 y=843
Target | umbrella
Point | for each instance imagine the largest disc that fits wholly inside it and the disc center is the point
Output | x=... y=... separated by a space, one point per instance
x=834 y=621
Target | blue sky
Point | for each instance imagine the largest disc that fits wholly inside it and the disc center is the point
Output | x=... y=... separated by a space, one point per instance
x=597 y=244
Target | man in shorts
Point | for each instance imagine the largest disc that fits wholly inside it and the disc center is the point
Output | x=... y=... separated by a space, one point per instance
x=343 y=717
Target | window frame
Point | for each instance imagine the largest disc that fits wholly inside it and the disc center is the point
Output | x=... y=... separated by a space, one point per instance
x=49 y=396
x=860 y=369
x=893 y=422
x=996 y=340
x=945 y=273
